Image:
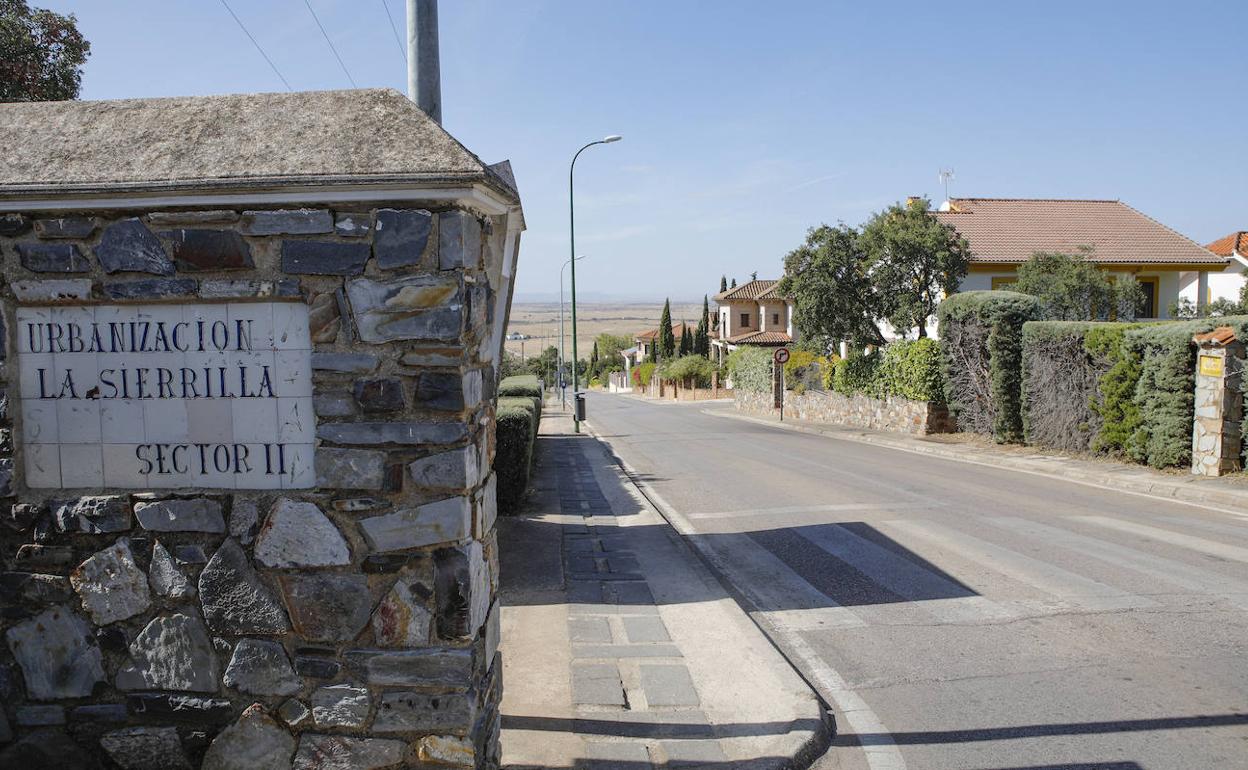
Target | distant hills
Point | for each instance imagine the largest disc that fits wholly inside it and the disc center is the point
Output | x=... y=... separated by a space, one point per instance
x=597 y=298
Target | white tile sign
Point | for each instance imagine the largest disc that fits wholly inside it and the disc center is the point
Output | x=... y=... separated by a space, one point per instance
x=161 y=396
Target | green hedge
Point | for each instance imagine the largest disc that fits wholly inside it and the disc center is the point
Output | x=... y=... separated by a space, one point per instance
x=1115 y=390
x=1164 y=393
x=981 y=344
x=911 y=369
x=513 y=454
x=521 y=385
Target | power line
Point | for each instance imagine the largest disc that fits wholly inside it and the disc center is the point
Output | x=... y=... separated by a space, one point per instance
x=243 y=27
x=386 y=4
x=331 y=43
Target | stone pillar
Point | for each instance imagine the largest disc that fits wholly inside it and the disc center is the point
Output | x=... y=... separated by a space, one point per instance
x=1217 y=438
x=249 y=510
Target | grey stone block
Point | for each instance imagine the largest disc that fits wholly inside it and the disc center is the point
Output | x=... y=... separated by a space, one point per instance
x=334 y=405
x=431 y=667
x=255 y=740
x=668 y=686
x=417 y=307
x=316 y=668
x=350 y=468
x=348 y=363
x=191 y=218
x=324 y=257
x=459 y=240
x=597 y=684
x=419 y=712
x=179 y=708
x=338 y=752
x=294 y=713
x=209 y=250
x=625 y=651
x=52 y=290
x=110 y=584
x=324 y=319
x=52 y=258
x=66 y=227
x=95 y=515
x=380 y=395
x=172 y=652
x=340 y=705
x=327 y=607
x=225 y=288
x=261 y=667
x=12 y=225
x=39 y=716
x=298 y=534
x=456 y=469
x=590 y=630
x=165 y=577
x=234 y=599
x=154 y=288
x=443 y=521
x=703 y=753
x=616 y=756
x=287 y=222
x=462 y=590
x=145 y=748
x=401 y=236
x=403 y=618
x=442 y=391
x=128 y=246
x=244 y=520
x=196 y=515
x=100 y=712
x=401 y=433
x=56 y=655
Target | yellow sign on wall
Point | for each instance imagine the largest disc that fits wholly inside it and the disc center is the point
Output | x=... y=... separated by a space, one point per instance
x=1211 y=365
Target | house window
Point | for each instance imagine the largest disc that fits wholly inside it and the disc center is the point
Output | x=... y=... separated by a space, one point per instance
x=1149 y=308
x=775 y=319
x=745 y=320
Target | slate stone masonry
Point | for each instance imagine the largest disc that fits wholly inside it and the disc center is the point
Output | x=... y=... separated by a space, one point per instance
x=351 y=625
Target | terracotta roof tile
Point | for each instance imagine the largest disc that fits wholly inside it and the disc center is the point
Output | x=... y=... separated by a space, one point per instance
x=761 y=338
x=1230 y=245
x=747 y=291
x=1010 y=230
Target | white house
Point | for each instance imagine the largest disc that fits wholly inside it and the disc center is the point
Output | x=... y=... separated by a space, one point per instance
x=1004 y=233
x=1228 y=283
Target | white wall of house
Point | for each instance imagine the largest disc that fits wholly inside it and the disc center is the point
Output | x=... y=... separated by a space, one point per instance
x=1228 y=283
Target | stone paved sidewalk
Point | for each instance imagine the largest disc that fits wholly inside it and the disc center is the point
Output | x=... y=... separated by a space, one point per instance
x=620 y=650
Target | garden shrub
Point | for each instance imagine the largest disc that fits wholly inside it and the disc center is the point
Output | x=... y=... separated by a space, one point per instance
x=531 y=405
x=856 y=373
x=520 y=385
x=686 y=369
x=910 y=369
x=1060 y=388
x=1164 y=392
x=1115 y=390
x=750 y=369
x=981 y=344
x=643 y=373
x=513 y=454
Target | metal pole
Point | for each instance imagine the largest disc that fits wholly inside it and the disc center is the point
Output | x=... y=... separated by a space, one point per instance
x=563 y=391
x=424 y=77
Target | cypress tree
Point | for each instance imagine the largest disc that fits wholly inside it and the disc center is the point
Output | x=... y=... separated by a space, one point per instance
x=723 y=283
x=667 y=340
x=702 y=342
x=593 y=361
x=686 y=339
x=734 y=283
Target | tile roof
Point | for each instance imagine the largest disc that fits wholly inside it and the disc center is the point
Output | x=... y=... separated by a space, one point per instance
x=678 y=331
x=751 y=290
x=1010 y=230
x=363 y=136
x=761 y=338
x=1235 y=243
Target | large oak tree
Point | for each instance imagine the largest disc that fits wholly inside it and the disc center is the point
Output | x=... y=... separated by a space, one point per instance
x=41 y=54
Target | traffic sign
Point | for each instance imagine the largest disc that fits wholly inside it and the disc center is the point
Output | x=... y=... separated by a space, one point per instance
x=781 y=355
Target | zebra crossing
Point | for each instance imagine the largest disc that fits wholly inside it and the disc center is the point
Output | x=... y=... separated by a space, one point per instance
x=851 y=574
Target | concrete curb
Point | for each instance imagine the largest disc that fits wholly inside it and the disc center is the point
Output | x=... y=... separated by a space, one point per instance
x=820 y=741
x=1121 y=478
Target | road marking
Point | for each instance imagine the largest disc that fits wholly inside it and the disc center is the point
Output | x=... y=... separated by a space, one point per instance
x=827 y=508
x=1174 y=572
x=940 y=597
x=1232 y=552
x=881 y=753
x=1084 y=592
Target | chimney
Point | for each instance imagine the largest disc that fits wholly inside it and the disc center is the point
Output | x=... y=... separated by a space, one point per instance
x=424 y=77
x=911 y=199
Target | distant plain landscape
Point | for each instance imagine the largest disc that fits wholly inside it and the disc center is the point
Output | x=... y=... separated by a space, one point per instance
x=540 y=321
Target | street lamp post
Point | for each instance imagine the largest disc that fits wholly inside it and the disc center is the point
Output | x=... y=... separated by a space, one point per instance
x=576 y=423
x=563 y=362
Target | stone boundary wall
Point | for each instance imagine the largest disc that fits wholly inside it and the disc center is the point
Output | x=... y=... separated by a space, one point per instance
x=349 y=625
x=894 y=414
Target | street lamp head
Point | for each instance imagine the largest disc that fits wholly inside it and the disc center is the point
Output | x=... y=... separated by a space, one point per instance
x=612 y=138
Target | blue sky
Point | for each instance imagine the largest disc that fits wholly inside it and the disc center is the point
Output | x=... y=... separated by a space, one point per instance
x=747 y=123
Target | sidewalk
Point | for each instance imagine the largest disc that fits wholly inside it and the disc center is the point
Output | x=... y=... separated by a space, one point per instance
x=620 y=650
x=1224 y=493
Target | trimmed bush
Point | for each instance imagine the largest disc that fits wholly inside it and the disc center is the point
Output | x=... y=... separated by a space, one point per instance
x=1115 y=390
x=520 y=385
x=513 y=454
x=856 y=374
x=1164 y=393
x=690 y=368
x=750 y=369
x=981 y=344
x=643 y=373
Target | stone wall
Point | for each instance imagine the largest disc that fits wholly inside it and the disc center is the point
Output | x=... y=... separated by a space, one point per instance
x=894 y=414
x=349 y=621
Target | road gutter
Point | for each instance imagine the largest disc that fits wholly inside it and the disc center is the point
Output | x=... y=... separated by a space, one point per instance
x=827 y=685
x=1140 y=481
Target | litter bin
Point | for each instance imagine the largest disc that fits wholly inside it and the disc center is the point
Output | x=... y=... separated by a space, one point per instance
x=579 y=405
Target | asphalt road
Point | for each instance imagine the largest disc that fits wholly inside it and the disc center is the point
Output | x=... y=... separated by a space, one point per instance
x=961 y=616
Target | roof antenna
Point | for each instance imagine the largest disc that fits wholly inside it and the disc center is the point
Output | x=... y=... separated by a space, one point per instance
x=945 y=175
